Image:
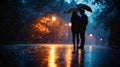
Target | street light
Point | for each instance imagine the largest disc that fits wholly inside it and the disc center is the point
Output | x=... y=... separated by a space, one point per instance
x=91 y=35
x=69 y=24
x=53 y=18
x=101 y=39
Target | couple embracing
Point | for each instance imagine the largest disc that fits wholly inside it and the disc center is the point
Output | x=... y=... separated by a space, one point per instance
x=78 y=28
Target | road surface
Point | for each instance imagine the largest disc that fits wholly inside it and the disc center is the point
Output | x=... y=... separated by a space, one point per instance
x=58 y=55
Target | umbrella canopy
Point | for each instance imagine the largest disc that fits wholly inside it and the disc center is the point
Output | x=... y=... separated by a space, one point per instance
x=84 y=6
x=77 y=8
x=72 y=9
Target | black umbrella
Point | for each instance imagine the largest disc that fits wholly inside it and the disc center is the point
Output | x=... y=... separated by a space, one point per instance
x=84 y=6
x=77 y=8
x=72 y=9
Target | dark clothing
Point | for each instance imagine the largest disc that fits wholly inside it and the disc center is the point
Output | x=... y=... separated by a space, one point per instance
x=78 y=27
x=84 y=22
x=79 y=23
x=75 y=19
x=75 y=28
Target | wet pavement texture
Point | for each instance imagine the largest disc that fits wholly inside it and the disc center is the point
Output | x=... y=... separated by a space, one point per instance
x=58 y=55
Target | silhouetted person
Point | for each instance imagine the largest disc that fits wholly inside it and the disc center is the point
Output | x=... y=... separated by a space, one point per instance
x=83 y=23
x=75 y=28
x=78 y=27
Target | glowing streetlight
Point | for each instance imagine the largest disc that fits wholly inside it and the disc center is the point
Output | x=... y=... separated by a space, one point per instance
x=91 y=35
x=53 y=18
x=101 y=39
x=69 y=24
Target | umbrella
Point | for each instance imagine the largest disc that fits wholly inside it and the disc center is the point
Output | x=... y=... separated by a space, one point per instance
x=78 y=7
x=84 y=6
x=72 y=9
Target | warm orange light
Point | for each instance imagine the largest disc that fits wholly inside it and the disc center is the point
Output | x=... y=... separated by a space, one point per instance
x=41 y=28
x=53 y=18
x=80 y=57
x=68 y=56
x=52 y=57
x=65 y=24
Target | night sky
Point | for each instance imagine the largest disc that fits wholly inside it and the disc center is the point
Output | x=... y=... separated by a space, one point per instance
x=17 y=16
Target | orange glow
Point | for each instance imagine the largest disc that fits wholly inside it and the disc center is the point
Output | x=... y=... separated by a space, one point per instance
x=47 y=25
x=41 y=28
x=52 y=56
x=68 y=56
x=53 y=18
x=79 y=57
x=44 y=22
x=65 y=24
x=79 y=52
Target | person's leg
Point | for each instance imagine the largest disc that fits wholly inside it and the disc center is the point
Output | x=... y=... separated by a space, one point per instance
x=77 y=36
x=82 y=36
x=73 y=39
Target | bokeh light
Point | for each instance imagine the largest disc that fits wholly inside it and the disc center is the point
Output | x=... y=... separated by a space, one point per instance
x=53 y=18
x=69 y=24
x=91 y=35
x=101 y=39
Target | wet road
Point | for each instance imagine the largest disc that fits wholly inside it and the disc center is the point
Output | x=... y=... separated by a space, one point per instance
x=58 y=55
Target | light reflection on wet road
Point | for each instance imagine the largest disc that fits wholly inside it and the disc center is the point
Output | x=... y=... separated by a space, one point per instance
x=58 y=55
